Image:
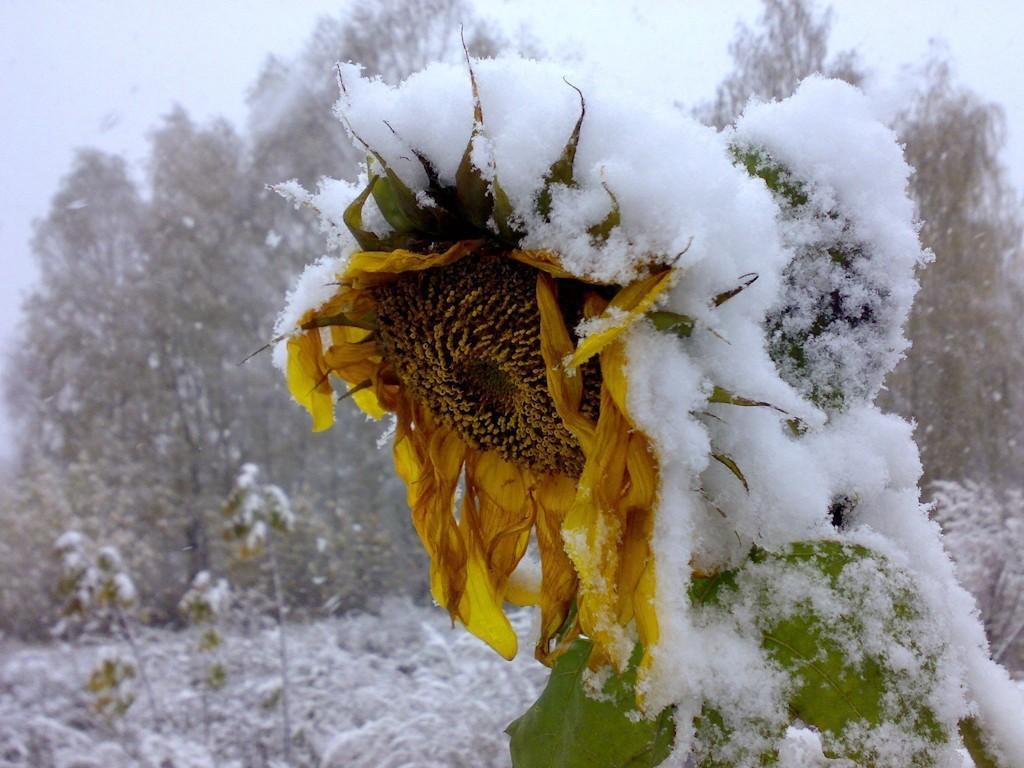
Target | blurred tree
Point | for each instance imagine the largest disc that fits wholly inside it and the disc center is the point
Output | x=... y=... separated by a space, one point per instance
x=769 y=61
x=133 y=415
x=961 y=380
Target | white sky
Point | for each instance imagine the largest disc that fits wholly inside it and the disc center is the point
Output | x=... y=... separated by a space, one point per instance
x=101 y=72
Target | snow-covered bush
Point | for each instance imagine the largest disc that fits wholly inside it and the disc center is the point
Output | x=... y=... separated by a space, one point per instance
x=203 y=606
x=649 y=352
x=97 y=592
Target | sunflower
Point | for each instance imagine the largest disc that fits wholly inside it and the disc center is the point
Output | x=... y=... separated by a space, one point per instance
x=507 y=378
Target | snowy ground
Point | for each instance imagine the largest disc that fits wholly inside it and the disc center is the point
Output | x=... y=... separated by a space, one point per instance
x=401 y=689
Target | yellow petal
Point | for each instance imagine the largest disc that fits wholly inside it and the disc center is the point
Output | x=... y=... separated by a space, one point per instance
x=555 y=345
x=546 y=261
x=307 y=378
x=554 y=496
x=481 y=612
x=495 y=522
x=366 y=264
x=628 y=306
x=368 y=403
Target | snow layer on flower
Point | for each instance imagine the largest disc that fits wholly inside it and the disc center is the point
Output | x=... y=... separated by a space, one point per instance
x=855 y=238
x=778 y=464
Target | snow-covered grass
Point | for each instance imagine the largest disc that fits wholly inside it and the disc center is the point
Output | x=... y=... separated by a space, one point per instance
x=401 y=688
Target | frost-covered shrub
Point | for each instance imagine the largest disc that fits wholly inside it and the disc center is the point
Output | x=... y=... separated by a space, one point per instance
x=98 y=593
x=203 y=607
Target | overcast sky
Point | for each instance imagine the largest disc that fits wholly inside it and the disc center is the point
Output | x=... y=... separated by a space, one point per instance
x=101 y=72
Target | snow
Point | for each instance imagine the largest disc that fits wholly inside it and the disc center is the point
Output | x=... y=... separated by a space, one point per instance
x=853 y=173
x=836 y=272
x=394 y=689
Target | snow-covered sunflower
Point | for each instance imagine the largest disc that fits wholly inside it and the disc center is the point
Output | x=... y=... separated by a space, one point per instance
x=545 y=301
x=474 y=344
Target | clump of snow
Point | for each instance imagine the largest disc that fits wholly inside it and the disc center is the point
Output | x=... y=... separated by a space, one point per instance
x=837 y=325
x=206 y=599
x=800 y=453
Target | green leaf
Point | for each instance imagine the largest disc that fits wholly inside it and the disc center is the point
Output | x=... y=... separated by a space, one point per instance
x=759 y=163
x=672 y=322
x=970 y=732
x=712 y=733
x=830 y=692
x=472 y=190
x=565 y=728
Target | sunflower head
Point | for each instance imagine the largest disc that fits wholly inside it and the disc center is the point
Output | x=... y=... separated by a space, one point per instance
x=470 y=341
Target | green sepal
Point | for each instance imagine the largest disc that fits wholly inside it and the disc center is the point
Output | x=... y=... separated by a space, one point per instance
x=746 y=281
x=725 y=397
x=353 y=218
x=672 y=322
x=386 y=194
x=561 y=171
x=367 y=322
x=600 y=232
x=401 y=206
x=503 y=214
x=565 y=728
x=472 y=190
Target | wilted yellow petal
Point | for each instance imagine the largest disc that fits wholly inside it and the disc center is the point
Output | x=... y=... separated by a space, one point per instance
x=645 y=614
x=368 y=403
x=613 y=375
x=480 y=609
x=554 y=496
x=628 y=306
x=593 y=531
x=307 y=379
x=522 y=592
x=495 y=522
x=555 y=345
x=429 y=457
x=546 y=261
x=366 y=264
